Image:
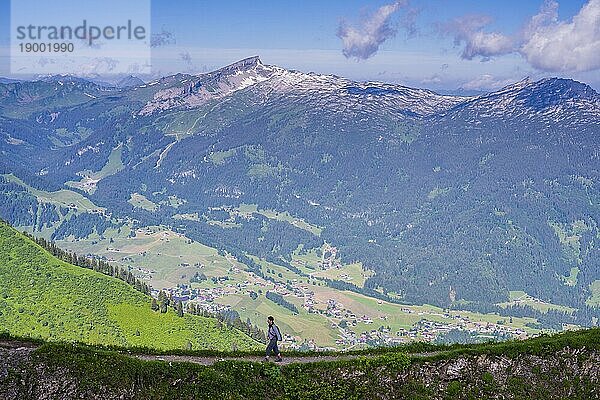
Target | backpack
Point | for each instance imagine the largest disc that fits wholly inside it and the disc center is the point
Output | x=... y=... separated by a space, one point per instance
x=277 y=332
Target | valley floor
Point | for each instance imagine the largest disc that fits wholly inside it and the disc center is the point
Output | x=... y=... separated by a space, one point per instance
x=327 y=317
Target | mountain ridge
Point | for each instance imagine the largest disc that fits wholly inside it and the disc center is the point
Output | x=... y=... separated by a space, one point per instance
x=418 y=103
x=448 y=200
x=513 y=370
x=194 y=91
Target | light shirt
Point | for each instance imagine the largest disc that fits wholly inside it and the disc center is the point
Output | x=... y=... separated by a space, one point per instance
x=274 y=333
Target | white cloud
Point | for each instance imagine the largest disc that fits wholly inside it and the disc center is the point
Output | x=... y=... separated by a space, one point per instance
x=546 y=43
x=363 y=41
x=433 y=79
x=468 y=29
x=486 y=82
x=553 y=45
x=487 y=45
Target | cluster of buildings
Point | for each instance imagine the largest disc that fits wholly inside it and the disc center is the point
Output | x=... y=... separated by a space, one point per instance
x=351 y=327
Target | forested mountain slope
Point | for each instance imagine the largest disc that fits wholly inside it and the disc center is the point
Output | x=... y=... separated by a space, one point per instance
x=450 y=200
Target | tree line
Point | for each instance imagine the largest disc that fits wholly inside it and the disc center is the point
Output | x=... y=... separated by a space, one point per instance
x=278 y=299
x=92 y=263
x=225 y=318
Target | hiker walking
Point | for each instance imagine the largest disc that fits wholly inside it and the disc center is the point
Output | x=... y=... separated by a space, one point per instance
x=273 y=335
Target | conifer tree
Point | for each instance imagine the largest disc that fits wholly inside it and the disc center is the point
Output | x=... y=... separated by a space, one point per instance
x=162 y=302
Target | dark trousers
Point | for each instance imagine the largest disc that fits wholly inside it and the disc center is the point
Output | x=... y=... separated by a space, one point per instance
x=272 y=346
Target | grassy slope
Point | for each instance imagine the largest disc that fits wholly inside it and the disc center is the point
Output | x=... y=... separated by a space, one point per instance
x=61 y=197
x=113 y=165
x=520 y=298
x=41 y=296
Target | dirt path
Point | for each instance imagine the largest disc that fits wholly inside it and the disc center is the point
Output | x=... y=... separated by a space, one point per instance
x=209 y=360
x=212 y=359
x=16 y=345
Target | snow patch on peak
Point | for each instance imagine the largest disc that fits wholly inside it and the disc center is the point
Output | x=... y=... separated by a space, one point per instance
x=201 y=89
x=517 y=85
x=548 y=100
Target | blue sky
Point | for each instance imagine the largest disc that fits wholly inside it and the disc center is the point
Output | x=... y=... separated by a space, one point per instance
x=440 y=44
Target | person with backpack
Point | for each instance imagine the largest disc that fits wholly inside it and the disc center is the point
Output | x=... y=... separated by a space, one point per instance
x=273 y=335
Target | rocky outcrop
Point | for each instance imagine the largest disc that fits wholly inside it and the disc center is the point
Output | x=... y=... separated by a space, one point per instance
x=568 y=373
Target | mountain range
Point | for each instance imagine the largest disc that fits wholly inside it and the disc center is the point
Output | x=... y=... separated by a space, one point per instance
x=450 y=200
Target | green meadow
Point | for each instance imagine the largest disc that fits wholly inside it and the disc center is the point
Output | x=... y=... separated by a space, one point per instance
x=43 y=297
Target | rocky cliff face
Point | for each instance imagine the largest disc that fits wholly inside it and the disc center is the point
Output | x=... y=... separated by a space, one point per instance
x=569 y=373
x=83 y=373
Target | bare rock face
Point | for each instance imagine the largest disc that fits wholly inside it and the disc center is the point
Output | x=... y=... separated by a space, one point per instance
x=455 y=369
x=559 y=376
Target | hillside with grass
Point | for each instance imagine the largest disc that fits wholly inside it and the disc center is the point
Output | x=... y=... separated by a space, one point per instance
x=44 y=297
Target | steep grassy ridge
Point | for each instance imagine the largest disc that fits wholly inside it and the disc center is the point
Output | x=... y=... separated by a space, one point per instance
x=41 y=296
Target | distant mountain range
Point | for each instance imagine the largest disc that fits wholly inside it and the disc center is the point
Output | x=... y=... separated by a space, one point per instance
x=8 y=80
x=463 y=92
x=451 y=200
x=129 y=81
x=121 y=82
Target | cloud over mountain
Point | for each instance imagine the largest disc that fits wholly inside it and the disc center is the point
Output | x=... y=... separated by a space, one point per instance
x=545 y=41
x=486 y=82
x=553 y=45
x=468 y=29
x=363 y=41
